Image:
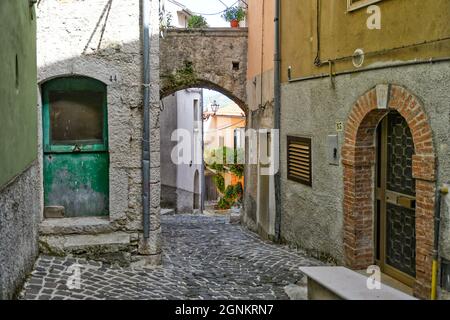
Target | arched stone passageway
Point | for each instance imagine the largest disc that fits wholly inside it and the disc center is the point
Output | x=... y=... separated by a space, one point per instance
x=214 y=58
x=193 y=122
x=359 y=158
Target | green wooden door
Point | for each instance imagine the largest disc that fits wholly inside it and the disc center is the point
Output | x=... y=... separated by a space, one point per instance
x=76 y=158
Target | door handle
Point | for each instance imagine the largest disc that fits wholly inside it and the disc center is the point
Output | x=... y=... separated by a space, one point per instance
x=76 y=148
x=406 y=202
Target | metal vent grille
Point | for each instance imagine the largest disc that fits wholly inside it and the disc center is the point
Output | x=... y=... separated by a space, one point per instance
x=299 y=160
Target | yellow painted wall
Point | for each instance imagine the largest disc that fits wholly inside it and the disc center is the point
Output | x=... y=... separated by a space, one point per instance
x=403 y=23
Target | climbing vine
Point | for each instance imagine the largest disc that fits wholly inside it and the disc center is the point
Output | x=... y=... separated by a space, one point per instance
x=183 y=77
x=221 y=161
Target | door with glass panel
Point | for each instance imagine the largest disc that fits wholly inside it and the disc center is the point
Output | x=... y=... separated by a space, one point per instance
x=395 y=200
x=76 y=158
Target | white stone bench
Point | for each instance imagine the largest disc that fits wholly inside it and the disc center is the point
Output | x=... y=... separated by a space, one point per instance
x=339 y=283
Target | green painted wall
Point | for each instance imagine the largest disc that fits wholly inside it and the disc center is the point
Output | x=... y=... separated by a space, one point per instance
x=18 y=95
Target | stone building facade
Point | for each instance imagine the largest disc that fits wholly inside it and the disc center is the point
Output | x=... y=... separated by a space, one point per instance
x=181 y=183
x=19 y=173
x=103 y=41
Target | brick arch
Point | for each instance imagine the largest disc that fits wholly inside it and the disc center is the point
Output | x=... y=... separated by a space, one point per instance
x=358 y=159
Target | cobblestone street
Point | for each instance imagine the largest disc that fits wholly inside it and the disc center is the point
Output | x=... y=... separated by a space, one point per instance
x=204 y=258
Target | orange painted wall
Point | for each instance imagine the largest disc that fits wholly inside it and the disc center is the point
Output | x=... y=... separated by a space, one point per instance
x=260 y=15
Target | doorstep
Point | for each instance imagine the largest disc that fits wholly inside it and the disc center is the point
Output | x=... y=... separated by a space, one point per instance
x=79 y=226
x=114 y=247
x=87 y=237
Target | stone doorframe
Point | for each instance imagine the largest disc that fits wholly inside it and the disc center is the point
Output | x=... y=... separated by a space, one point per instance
x=358 y=159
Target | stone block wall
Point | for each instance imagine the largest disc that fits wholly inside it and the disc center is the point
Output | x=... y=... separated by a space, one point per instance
x=20 y=197
x=103 y=40
x=19 y=220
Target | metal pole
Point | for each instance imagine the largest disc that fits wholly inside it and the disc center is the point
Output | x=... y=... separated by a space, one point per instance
x=146 y=131
x=277 y=116
x=202 y=168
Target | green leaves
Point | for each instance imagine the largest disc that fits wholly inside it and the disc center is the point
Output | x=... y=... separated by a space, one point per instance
x=197 y=22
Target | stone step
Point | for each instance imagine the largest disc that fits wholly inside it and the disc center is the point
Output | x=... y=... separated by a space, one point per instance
x=79 y=226
x=112 y=247
x=167 y=211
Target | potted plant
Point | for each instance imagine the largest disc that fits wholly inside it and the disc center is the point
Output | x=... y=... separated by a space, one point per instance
x=197 y=21
x=234 y=15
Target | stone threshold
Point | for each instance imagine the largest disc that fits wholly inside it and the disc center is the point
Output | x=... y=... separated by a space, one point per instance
x=79 y=226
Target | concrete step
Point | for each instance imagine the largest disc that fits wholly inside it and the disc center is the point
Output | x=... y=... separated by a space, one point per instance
x=79 y=226
x=105 y=247
x=340 y=283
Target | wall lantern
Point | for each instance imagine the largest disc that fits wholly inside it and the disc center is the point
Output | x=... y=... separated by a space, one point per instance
x=215 y=107
x=33 y=2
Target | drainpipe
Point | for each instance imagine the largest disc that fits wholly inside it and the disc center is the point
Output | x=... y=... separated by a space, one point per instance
x=277 y=115
x=146 y=133
x=202 y=168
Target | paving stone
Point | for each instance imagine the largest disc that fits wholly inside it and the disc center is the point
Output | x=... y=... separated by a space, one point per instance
x=204 y=257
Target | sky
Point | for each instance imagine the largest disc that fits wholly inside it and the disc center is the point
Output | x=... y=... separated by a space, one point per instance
x=209 y=7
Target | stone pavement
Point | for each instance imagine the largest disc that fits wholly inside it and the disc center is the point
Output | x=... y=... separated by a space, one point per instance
x=204 y=258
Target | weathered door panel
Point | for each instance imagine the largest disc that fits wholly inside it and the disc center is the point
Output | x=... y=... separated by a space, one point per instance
x=78 y=182
x=76 y=159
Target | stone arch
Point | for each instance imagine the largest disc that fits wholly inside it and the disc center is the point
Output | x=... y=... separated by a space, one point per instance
x=213 y=58
x=204 y=84
x=358 y=158
x=72 y=75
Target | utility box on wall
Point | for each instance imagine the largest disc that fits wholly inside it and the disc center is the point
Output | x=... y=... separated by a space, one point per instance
x=333 y=149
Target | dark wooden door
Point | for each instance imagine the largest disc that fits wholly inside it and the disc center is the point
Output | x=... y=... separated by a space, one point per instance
x=396 y=192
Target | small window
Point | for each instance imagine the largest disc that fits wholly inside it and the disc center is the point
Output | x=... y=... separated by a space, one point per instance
x=196 y=112
x=76 y=116
x=236 y=65
x=358 y=4
x=299 y=160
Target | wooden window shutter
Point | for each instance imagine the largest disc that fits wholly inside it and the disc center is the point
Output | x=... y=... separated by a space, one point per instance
x=299 y=160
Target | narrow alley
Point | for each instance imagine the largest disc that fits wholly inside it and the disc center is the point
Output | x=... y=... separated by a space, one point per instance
x=224 y=150
x=205 y=257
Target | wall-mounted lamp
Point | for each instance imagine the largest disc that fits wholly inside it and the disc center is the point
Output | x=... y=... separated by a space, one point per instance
x=215 y=107
x=33 y=2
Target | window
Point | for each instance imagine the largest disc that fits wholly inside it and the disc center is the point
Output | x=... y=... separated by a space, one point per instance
x=195 y=109
x=76 y=116
x=239 y=135
x=358 y=4
x=299 y=165
x=196 y=114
